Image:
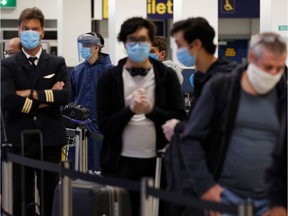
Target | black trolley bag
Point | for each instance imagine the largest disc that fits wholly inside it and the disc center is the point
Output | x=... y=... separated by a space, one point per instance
x=23 y=207
x=93 y=199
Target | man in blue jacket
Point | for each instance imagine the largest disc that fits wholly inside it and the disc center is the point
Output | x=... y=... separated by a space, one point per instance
x=84 y=78
x=235 y=126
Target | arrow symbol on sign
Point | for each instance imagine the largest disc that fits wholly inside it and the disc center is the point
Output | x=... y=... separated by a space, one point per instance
x=3 y=2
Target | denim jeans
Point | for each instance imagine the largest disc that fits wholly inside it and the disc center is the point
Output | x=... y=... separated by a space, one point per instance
x=229 y=197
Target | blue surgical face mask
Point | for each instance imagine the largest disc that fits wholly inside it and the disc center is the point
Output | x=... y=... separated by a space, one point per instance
x=138 y=52
x=154 y=56
x=85 y=53
x=30 y=39
x=185 y=58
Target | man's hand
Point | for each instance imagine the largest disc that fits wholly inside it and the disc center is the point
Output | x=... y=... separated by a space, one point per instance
x=213 y=194
x=276 y=211
x=42 y=105
x=58 y=85
x=23 y=93
x=168 y=128
x=139 y=103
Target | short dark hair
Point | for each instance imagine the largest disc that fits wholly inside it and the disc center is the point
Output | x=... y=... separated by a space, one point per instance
x=160 y=43
x=196 y=28
x=31 y=13
x=133 y=24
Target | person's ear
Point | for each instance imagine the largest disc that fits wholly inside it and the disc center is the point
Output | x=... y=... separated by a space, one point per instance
x=197 y=44
x=97 y=49
x=251 y=57
x=162 y=55
x=42 y=34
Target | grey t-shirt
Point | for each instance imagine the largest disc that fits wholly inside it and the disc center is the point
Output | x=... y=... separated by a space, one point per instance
x=252 y=142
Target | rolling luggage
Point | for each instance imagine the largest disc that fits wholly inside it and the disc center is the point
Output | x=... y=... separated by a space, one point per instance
x=92 y=199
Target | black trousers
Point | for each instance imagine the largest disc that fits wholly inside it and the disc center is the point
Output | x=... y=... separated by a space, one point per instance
x=135 y=169
x=50 y=154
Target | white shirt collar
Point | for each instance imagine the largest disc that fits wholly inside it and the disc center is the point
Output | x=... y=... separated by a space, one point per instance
x=37 y=55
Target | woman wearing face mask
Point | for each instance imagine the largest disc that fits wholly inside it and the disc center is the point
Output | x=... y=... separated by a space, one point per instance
x=133 y=100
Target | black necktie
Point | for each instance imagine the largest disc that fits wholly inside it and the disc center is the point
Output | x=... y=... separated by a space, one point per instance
x=32 y=61
x=138 y=71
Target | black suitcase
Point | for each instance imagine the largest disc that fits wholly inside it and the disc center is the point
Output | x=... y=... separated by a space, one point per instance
x=92 y=199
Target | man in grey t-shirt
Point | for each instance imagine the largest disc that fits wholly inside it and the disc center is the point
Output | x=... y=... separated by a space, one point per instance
x=230 y=166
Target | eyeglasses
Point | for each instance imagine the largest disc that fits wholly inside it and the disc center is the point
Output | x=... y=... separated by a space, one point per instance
x=141 y=40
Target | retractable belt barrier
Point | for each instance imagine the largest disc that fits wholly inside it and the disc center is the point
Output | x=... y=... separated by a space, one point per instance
x=172 y=197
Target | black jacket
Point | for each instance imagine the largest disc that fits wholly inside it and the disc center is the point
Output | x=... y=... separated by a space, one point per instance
x=277 y=173
x=207 y=136
x=21 y=113
x=113 y=115
x=221 y=65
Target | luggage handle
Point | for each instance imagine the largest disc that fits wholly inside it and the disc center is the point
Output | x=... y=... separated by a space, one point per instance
x=160 y=153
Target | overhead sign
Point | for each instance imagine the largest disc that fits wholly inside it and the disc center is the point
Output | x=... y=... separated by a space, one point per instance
x=228 y=6
x=283 y=27
x=105 y=9
x=160 y=9
x=156 y=9
x=239 y=9
x=7 y=3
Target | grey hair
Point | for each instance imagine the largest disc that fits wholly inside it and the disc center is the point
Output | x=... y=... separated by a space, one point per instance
x=267 y=40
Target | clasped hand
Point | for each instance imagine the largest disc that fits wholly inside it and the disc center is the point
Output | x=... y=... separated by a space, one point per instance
x=140 y=104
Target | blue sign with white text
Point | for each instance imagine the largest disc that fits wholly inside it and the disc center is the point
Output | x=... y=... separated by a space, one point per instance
x=239 y=9
x=159 y=9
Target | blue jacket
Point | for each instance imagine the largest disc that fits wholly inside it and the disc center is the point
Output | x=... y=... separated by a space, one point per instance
x=84 y=79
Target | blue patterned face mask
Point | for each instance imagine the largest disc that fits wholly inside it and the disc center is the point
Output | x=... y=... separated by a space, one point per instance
x=138 y=52
x=30 y=39
x=85 y=53
x=185 y=58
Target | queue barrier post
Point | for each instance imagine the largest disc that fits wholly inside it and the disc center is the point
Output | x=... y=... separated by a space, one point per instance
x=146 y=201
x=65 y=193
x=7 y=179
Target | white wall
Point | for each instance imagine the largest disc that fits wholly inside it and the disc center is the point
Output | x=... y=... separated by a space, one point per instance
x=272 y=15
x=237 y=28
x=74 y=18
x=48 y=7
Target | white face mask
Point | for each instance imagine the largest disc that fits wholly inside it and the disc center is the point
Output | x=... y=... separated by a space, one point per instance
x=260 y=80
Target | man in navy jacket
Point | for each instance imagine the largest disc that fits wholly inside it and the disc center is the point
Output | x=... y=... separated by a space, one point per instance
x=34 y=85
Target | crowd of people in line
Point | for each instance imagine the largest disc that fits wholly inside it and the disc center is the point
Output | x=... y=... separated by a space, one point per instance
x=233 y=141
